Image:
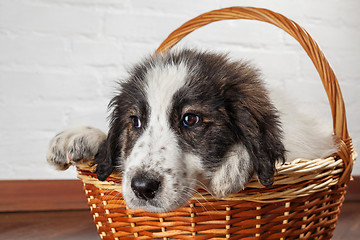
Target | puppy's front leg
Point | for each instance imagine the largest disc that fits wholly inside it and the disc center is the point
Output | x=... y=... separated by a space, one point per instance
x=74 y=146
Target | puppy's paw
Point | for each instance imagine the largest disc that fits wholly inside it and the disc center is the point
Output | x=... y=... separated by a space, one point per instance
x=74 y=146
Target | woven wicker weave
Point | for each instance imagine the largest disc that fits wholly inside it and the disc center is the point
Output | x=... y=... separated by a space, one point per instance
x=303 y=203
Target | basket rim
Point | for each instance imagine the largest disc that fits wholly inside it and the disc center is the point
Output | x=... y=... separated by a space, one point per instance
x=298 y=178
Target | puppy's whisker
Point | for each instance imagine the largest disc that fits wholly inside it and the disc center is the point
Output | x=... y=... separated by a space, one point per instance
x=201 y=204
x=116 y=195
x=201 y=185
x=192 y=192
x=186 y=198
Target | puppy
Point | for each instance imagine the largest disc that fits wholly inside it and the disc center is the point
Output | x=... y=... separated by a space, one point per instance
x=186 y=120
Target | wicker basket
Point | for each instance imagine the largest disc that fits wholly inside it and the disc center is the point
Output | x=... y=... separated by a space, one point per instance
x=303 y=203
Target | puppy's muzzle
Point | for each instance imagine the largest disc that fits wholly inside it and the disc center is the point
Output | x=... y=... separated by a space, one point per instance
x=145 y=186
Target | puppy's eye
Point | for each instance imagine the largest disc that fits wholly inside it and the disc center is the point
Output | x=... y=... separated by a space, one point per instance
x=190 y=119
x=136 y=122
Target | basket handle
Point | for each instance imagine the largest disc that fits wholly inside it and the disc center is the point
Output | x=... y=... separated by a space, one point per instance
x=326 y=73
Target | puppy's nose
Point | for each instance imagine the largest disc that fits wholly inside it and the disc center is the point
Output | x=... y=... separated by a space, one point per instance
x=144 y=186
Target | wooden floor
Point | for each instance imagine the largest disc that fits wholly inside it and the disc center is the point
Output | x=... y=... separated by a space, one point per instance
x=78 y=225
x=62 y=225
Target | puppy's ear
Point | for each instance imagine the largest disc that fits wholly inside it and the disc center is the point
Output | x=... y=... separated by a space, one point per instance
x=255 y=122
x=108 y=154
x=104 y=163
x=260 y=133
x=268 y=149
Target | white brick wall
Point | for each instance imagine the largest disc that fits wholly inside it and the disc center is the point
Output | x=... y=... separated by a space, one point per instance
x=59 y=60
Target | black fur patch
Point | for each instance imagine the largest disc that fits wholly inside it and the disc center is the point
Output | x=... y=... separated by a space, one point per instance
x=122 y=134
x=234 y=107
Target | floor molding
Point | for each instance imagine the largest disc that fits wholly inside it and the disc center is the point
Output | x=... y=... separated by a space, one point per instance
x=41 y=195
x=53 y=195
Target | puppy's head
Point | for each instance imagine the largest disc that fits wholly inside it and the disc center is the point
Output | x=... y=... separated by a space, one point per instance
x=185 y=120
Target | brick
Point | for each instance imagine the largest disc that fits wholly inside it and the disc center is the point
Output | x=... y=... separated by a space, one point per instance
x=331 y=37
x=291 y=11
x=330 y=15
x=96 y=52
x=32 y=50
x=344 y=72
x=137 y=52
x=347 y=15
x=24 y=117
x=91 y=113
x=89 y=3
x=274 y=65
x=241 y=32
x=35 y=87
x=188 y=8
x=44 y=18
x=29 y=153
x=135 y=27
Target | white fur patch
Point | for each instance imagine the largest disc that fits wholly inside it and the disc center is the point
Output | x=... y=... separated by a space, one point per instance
x=162 y=83
x=233 y=174
x=157 y=150
x=305 y=136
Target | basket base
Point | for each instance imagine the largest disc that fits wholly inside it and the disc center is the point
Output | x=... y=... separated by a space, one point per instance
x=311 y=217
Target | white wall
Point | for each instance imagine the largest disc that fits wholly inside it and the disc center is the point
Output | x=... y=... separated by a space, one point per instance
x=59 y=60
